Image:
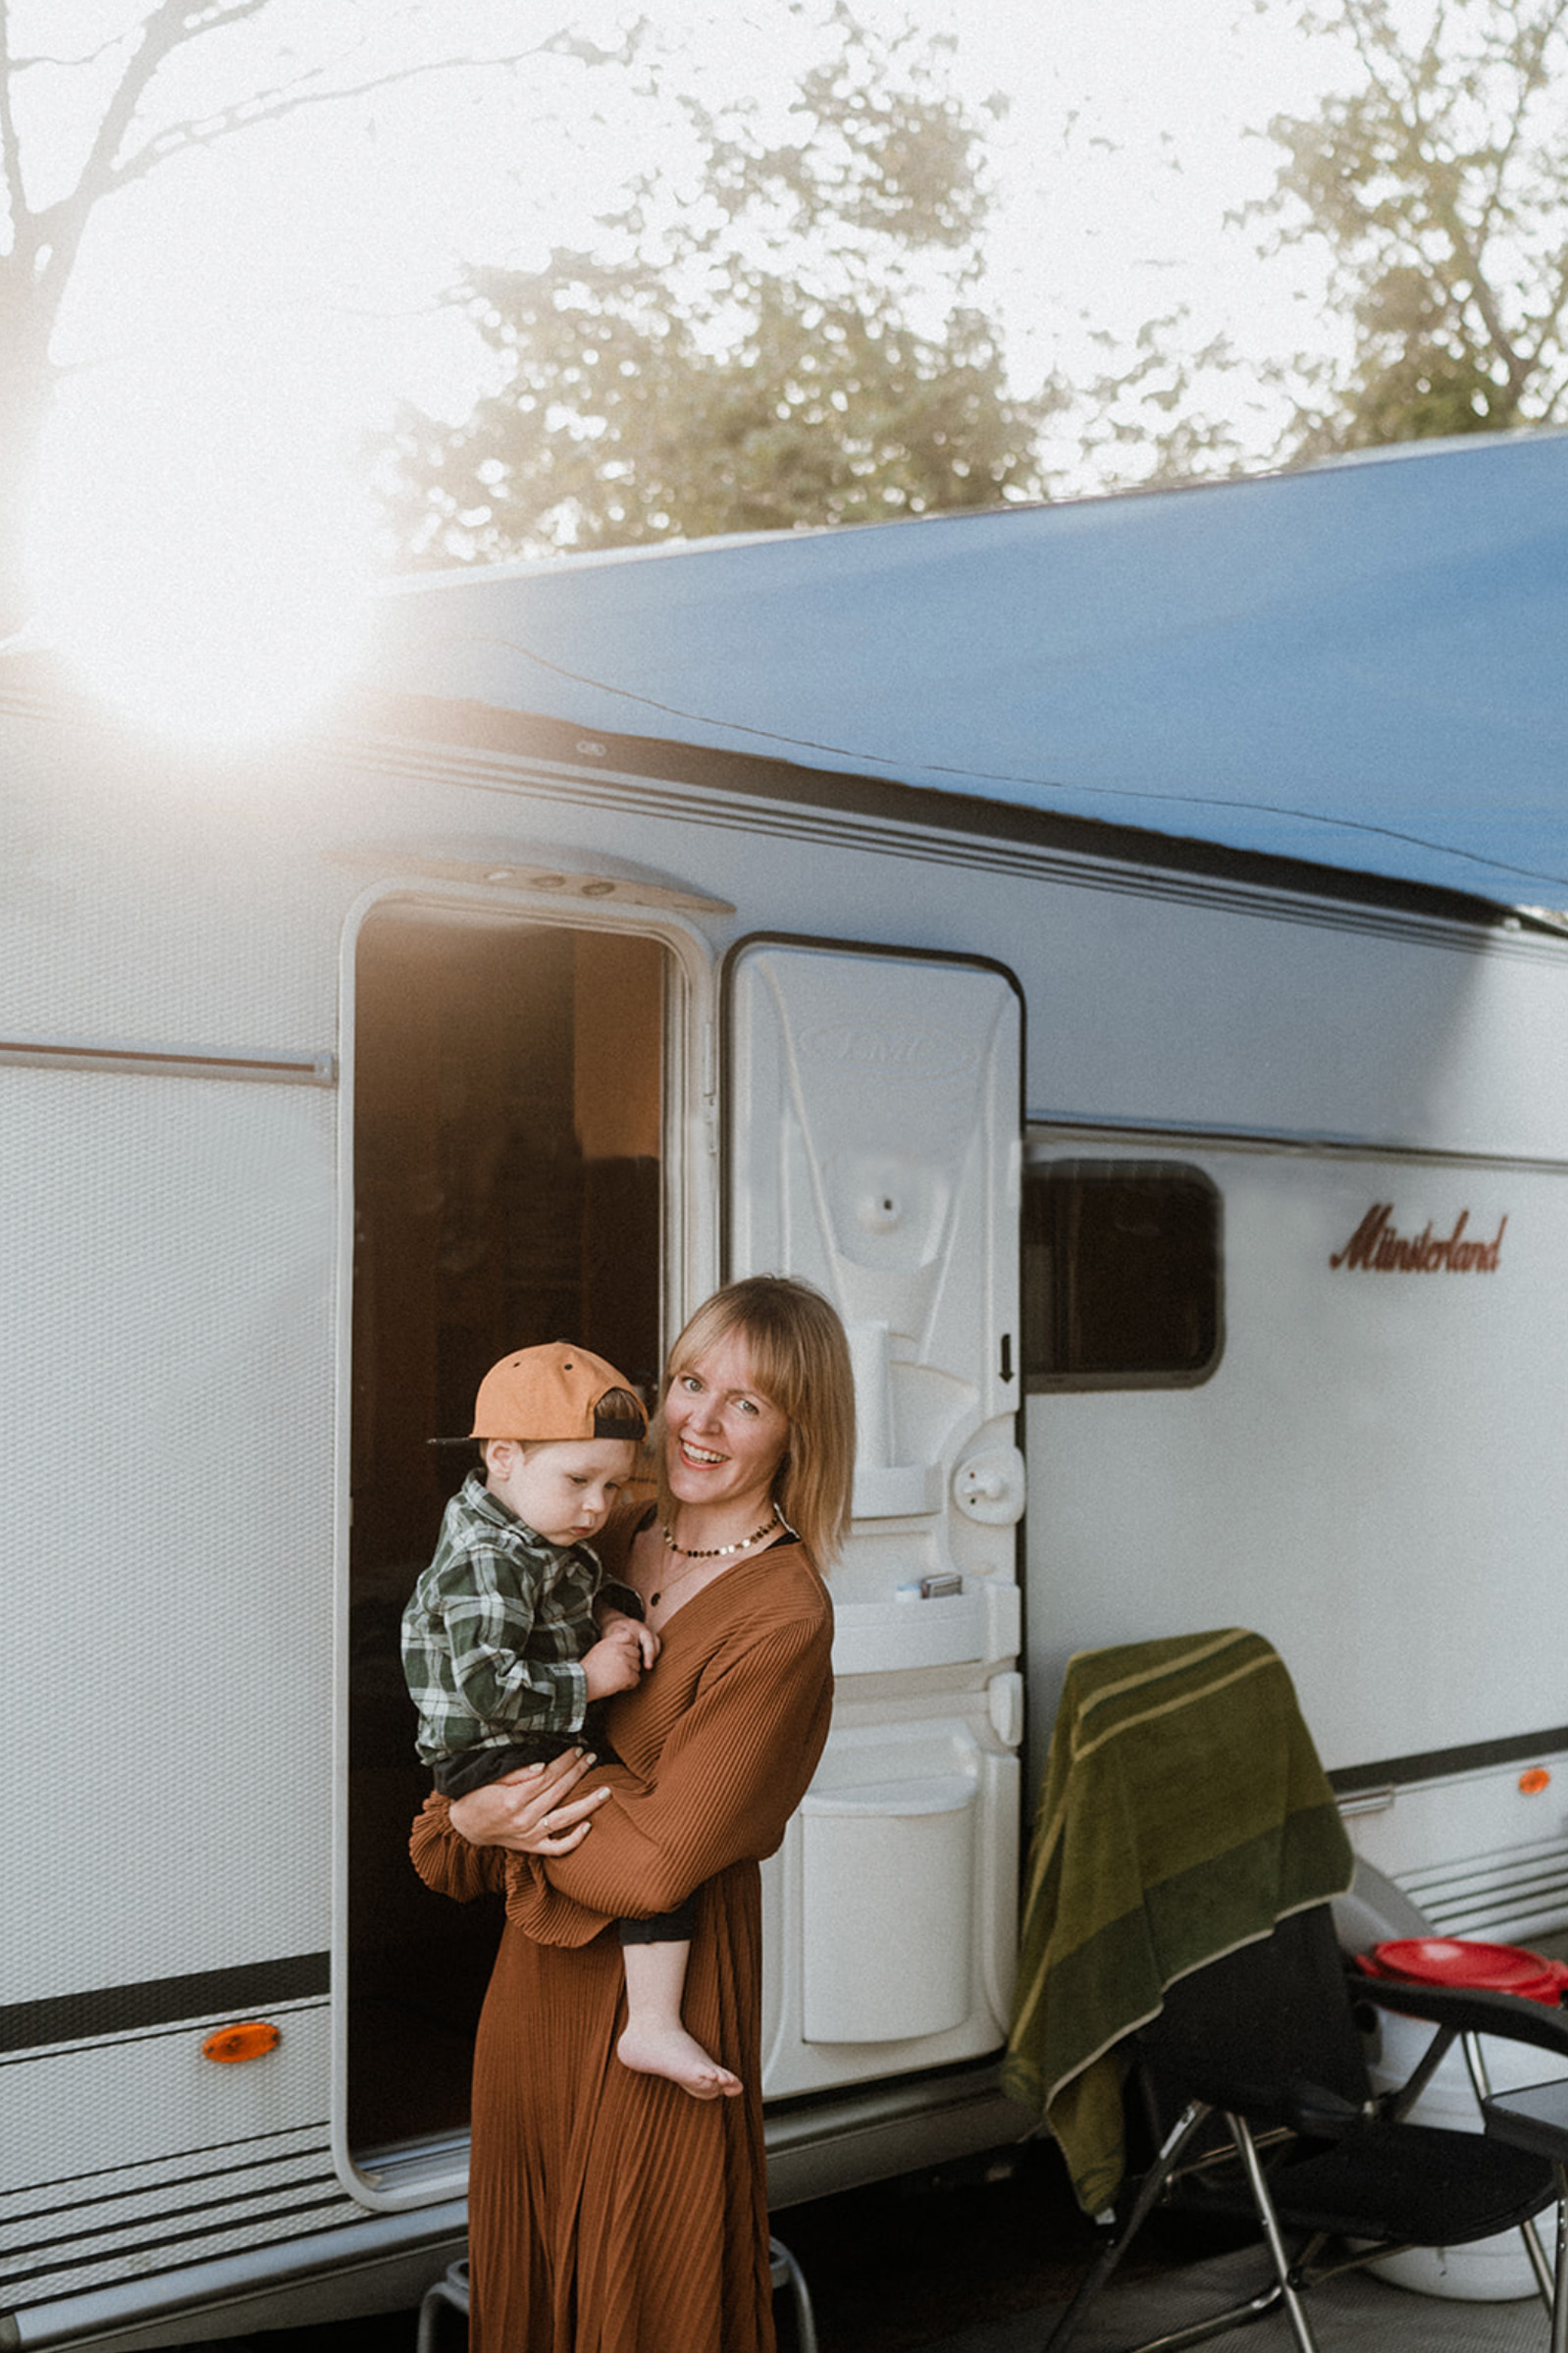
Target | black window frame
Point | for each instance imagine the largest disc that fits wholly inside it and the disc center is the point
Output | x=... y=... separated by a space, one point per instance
x=1083 y=1168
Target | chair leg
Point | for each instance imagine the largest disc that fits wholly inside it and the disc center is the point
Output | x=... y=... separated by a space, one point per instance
x=1150 y=2190
x=1481 y=2085
x=1234 y=2315
x=1300 y=2325
x=1543 y=2270
x=451 y=2290
x=787 y=2273
x=1559 y=2300
x=1278 y=2294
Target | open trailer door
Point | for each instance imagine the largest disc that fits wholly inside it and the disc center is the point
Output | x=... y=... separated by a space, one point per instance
x=873 y=1140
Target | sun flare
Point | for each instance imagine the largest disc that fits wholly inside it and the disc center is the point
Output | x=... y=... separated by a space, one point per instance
x=196 y=551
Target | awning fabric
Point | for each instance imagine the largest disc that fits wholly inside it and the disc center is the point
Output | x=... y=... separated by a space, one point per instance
x=1362 y=664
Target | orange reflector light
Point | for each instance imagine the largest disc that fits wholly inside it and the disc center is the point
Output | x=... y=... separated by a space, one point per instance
x=250 y=2041
x=1532 y=1784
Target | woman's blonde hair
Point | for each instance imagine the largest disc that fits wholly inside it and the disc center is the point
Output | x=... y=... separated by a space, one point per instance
x=801 y=1362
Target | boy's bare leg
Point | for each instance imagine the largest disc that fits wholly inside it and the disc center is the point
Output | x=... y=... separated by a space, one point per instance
x=656 y=2043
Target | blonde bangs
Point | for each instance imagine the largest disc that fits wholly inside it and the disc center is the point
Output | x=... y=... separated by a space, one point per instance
x=800 y=1361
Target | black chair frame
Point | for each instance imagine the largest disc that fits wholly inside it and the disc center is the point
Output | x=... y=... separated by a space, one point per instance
x=1305 y=2148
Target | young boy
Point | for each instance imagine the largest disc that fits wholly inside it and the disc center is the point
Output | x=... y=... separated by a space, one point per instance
x=506 y=1649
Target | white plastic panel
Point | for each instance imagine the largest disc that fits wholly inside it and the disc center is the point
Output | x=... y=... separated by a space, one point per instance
x=875 y=1131
x=874 y=1117
x=891 y=1912
x=153 y=896
x=166 y=1260
x=151 y=2154
x=889 y=1869
x=165 y=2096
x=1374 y=1477
x=880 y=1637
x=1481 y=1853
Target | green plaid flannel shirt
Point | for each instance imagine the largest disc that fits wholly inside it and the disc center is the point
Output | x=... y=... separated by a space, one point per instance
x=494 y=1629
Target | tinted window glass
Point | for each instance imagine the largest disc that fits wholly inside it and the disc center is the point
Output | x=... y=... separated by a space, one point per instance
x=1120 y=1275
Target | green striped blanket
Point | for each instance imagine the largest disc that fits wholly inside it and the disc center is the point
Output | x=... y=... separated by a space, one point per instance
x=1184 y=1811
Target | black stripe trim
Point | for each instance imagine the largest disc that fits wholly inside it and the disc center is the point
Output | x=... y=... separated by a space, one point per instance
x=485 y=728
x=161 y=2000
x=1431 y=1764
x=460 y=724
x=163 y=2186
x=249 y=2200
x=143 y=2035
x=145 y=2169
x=341 y=2204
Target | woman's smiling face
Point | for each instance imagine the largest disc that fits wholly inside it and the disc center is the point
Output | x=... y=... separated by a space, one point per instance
x=725 y=1439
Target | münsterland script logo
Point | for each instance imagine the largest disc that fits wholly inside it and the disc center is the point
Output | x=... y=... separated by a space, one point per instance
x=1378 y=1249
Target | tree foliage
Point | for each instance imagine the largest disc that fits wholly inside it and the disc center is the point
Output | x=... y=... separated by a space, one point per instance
x=1153 y=416
x=753 y=353
x=1431 y=189
x=1439 y=182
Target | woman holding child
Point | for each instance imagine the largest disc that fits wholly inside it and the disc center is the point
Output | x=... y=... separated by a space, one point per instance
x=614 y=2210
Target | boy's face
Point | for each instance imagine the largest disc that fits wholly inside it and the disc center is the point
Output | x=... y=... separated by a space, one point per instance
x=563 y=1488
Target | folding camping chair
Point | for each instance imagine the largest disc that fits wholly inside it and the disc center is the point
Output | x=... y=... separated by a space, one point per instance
x=1259 y=2058
x=1536 y=2116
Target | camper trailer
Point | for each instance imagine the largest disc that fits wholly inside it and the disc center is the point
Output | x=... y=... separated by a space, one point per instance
x=1107 y=948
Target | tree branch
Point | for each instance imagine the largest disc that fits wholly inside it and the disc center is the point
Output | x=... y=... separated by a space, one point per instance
x=63 y=224
x=1552 y=321
x=1532 y=77
x=271 y=106
x=173 y=27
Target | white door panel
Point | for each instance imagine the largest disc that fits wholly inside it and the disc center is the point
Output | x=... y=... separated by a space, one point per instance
x=876 y=1152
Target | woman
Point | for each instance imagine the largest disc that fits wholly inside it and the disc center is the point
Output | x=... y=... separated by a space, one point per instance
x=609 y=2210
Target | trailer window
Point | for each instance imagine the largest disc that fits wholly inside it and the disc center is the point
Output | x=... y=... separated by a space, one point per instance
x=508 y=1117
x=1121 y=1275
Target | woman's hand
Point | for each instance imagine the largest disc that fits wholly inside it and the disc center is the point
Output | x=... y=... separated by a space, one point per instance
x=533 y=1810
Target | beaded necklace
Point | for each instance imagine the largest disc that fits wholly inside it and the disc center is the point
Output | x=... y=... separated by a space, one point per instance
x=709 y=1552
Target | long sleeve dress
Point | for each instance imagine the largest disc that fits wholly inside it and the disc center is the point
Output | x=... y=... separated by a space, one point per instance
x=610 y=2212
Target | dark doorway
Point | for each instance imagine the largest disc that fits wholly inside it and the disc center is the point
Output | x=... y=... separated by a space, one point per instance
x=508 y=1120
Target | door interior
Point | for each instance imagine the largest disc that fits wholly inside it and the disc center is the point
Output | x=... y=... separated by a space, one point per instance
x=508 y=1127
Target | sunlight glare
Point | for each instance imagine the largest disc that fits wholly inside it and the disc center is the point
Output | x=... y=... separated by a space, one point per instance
x=196 y=552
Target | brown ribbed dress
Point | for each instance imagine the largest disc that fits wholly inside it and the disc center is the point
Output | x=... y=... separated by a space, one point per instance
x=610 y=2211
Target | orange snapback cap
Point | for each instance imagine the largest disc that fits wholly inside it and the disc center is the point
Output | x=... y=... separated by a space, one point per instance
x=550 y=1392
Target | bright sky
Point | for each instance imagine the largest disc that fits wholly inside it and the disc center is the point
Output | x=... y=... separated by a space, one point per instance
x=310 y=252
x=1125 y=144
x=1128 y=215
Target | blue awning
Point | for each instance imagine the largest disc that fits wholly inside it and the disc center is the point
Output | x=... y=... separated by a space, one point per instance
x=1362 y=664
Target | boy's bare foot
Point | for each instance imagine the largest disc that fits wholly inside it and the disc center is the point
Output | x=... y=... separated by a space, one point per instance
x=670 y=2051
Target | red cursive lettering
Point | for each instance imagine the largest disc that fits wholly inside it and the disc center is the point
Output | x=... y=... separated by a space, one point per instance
x=1379 y=1248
